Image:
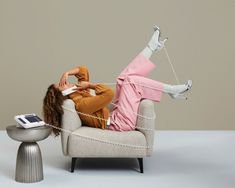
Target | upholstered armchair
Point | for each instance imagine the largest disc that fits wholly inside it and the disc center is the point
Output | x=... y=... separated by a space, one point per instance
x=87 y=142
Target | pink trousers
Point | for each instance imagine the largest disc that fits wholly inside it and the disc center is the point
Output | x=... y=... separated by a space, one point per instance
x=133 y=86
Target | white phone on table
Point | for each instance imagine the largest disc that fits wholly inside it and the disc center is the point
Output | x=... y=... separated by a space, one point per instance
x=29 y=120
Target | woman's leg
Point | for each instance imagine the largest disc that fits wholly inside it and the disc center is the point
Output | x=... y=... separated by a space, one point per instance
x=141 y=64
x=177 y=89
x=134 y=88
x=155 y=44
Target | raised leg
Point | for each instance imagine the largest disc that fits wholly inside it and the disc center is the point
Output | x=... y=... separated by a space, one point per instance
x=140 y=66
x=134 y=88
x=73 y=164
x=140 y=160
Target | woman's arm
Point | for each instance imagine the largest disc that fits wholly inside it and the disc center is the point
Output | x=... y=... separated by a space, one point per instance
x=103 y=97
x=65 y=75
x=83 y=85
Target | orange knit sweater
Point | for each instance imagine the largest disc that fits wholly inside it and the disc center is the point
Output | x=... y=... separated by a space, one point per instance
x=93 y=105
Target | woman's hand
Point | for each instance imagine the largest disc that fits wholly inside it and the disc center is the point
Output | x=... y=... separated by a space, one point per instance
x=64 y=79
x=83 y=85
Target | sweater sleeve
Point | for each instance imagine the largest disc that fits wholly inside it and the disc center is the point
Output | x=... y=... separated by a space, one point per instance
x=104 y=96
x=83 y=74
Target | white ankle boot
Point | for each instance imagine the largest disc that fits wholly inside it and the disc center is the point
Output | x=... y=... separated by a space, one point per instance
x=180 y=95
x=155 y=44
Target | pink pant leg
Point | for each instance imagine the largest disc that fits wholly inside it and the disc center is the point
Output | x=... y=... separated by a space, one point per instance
x=140 y=66
x=123 y=119
x=134 y=88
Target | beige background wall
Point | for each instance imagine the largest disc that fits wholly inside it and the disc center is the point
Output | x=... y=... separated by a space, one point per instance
x=41 y=39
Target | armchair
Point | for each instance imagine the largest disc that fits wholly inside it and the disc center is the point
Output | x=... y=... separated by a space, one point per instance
x=89 y=142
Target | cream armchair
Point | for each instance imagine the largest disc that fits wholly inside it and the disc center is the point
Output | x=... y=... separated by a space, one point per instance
x=88 y=142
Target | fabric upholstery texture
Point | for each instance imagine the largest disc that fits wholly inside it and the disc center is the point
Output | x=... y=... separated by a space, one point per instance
x=86 y=141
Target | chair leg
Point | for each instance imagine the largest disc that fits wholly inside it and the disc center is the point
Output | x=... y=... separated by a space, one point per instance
x=140 y=160
x=73 y=163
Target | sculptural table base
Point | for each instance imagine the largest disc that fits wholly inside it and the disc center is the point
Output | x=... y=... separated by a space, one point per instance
x=29 y=167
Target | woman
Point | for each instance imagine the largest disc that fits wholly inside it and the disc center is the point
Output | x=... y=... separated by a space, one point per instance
x=132 y=86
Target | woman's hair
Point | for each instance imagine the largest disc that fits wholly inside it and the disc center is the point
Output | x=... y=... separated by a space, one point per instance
x=52 y=108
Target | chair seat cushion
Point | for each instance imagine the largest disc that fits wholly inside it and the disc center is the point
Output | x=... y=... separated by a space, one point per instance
x=94 y=142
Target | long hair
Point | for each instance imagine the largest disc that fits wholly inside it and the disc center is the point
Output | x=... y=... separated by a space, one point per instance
x=52 y=108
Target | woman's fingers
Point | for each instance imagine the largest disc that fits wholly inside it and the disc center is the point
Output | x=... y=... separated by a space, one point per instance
x=63 y=80
x=61 y=83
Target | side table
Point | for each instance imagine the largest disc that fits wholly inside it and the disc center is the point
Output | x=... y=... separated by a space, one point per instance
x=29 y=168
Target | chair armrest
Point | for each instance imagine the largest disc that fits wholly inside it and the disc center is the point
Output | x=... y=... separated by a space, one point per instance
x=147 y=125
x=70 y=122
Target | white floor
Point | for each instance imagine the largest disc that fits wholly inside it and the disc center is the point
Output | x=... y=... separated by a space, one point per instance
x=181 y=159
